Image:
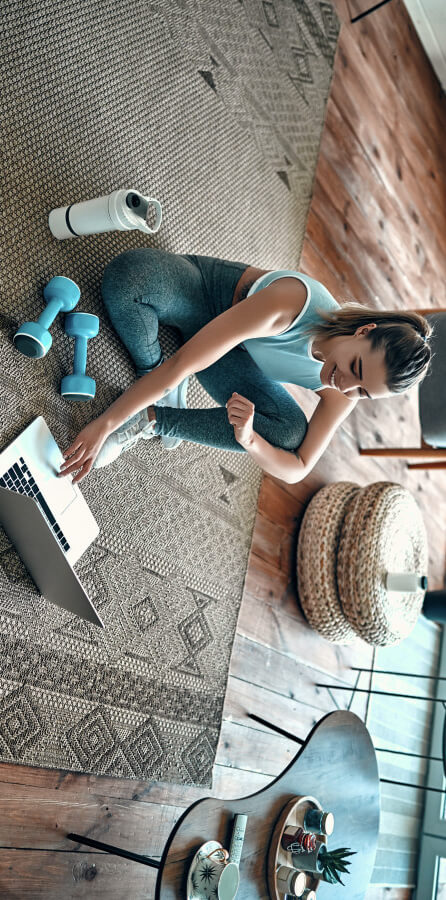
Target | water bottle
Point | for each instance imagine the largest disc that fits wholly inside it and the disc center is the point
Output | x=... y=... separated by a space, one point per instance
x=122 y=210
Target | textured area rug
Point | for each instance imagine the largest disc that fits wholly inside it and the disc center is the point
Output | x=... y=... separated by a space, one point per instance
x=216 y=110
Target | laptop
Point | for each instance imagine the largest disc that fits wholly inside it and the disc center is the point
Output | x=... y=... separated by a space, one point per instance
x=46 y=518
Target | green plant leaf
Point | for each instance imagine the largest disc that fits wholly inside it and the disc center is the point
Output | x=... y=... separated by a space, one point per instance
x=340 y=867
x=327 y=876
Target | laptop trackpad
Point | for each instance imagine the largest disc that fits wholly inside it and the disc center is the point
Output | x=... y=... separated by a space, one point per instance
x=62 y=494
x=60 y=491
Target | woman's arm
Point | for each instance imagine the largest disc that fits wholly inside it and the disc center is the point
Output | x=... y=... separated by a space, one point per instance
x=266 y=313
x=332 y=409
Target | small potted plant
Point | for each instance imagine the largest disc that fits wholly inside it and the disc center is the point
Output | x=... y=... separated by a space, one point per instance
x=323 y=863
x=332 y=862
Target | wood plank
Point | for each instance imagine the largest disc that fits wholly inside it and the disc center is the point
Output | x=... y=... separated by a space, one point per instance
x=52 y=875
x=360 y=107
x=351 y=182
x=377 y=892
x=396 y=40
x=263 y=623
x=226 y=782
x=408 y=127
x=29 y=817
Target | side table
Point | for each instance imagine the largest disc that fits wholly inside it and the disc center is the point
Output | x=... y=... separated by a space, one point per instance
x=336 y=764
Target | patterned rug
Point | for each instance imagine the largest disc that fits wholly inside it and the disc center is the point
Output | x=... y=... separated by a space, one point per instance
x=217 y=110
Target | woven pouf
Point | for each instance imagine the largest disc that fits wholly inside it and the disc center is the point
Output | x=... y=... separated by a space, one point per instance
x=383 y=531
x=316 y=561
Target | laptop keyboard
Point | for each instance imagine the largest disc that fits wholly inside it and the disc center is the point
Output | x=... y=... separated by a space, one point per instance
x=18 y=478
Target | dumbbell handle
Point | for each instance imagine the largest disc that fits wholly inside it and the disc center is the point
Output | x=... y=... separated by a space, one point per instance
x=80 y=355
x=50 y=312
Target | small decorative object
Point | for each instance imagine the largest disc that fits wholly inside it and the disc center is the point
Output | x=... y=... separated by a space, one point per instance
x=238 y=836
x=211 y=875
x=318 y=821
x=309 y=861
x=326 y=864
x=296 y=840
x=290 y=881
x=288 y=824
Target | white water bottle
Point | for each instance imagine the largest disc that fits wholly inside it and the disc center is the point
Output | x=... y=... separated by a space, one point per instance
x=122 y=210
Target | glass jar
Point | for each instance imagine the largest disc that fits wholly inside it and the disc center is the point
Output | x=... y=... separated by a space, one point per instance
x=290 y=881
x=318 y=821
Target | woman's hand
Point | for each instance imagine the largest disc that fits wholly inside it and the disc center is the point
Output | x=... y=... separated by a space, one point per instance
x=241 y=416
x=81 y=454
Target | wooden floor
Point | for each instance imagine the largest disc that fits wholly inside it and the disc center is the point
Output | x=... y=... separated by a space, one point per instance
x=376 y=232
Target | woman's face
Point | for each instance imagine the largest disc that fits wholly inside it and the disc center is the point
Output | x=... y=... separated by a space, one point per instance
x=353 y=367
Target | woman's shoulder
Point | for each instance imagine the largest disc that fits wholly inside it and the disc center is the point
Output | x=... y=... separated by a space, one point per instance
x=319 y=294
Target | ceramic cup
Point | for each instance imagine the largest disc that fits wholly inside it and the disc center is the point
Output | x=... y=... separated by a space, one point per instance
x=215 y=878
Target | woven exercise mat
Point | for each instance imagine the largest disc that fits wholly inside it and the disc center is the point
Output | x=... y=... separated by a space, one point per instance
x=217 y=111
x=318 y=544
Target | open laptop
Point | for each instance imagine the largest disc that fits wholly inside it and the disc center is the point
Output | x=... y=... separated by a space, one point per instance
x=46 y=518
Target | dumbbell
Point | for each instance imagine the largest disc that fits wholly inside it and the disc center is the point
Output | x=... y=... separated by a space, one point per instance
x=33 y=338
x=79 y=386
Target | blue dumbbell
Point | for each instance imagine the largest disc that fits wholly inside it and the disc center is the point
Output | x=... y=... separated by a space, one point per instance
x=80 y=386
x=33 y=338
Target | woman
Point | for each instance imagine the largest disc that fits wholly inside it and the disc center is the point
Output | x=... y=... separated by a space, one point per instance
x=245 y=333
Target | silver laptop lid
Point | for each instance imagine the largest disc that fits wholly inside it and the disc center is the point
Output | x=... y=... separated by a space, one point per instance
x=43 y=458
x=46 y=562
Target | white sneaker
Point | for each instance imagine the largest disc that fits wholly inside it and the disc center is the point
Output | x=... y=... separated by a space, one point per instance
x=125 y=437
x=176 y=399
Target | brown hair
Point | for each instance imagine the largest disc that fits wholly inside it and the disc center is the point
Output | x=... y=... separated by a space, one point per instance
x=404 y=337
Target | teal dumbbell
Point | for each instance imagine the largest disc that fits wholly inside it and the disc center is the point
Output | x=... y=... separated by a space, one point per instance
x=80 y=386
x=33 y=338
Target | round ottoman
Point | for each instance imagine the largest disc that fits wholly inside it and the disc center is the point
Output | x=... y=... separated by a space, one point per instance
x=350 y=538
x=383 y=531
x=316 y=561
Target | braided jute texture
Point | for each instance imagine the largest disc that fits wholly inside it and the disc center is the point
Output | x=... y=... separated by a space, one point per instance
x=383 y=531
x=216 y=109
x=316 y=561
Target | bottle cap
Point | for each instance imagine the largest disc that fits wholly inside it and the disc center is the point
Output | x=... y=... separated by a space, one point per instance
x=327 y=823
x=299 y=883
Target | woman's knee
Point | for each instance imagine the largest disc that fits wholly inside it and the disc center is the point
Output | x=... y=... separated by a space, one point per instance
x=118 y=279
x=291 y=431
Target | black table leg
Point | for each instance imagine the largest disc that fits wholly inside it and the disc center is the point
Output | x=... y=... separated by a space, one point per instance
x=343 y=687
x=275 y=728
x=127 y=854
x=419 y=787
x=367 y=11
x=402 y=674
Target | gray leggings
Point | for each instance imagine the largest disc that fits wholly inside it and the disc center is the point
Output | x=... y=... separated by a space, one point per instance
x=145 y=287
